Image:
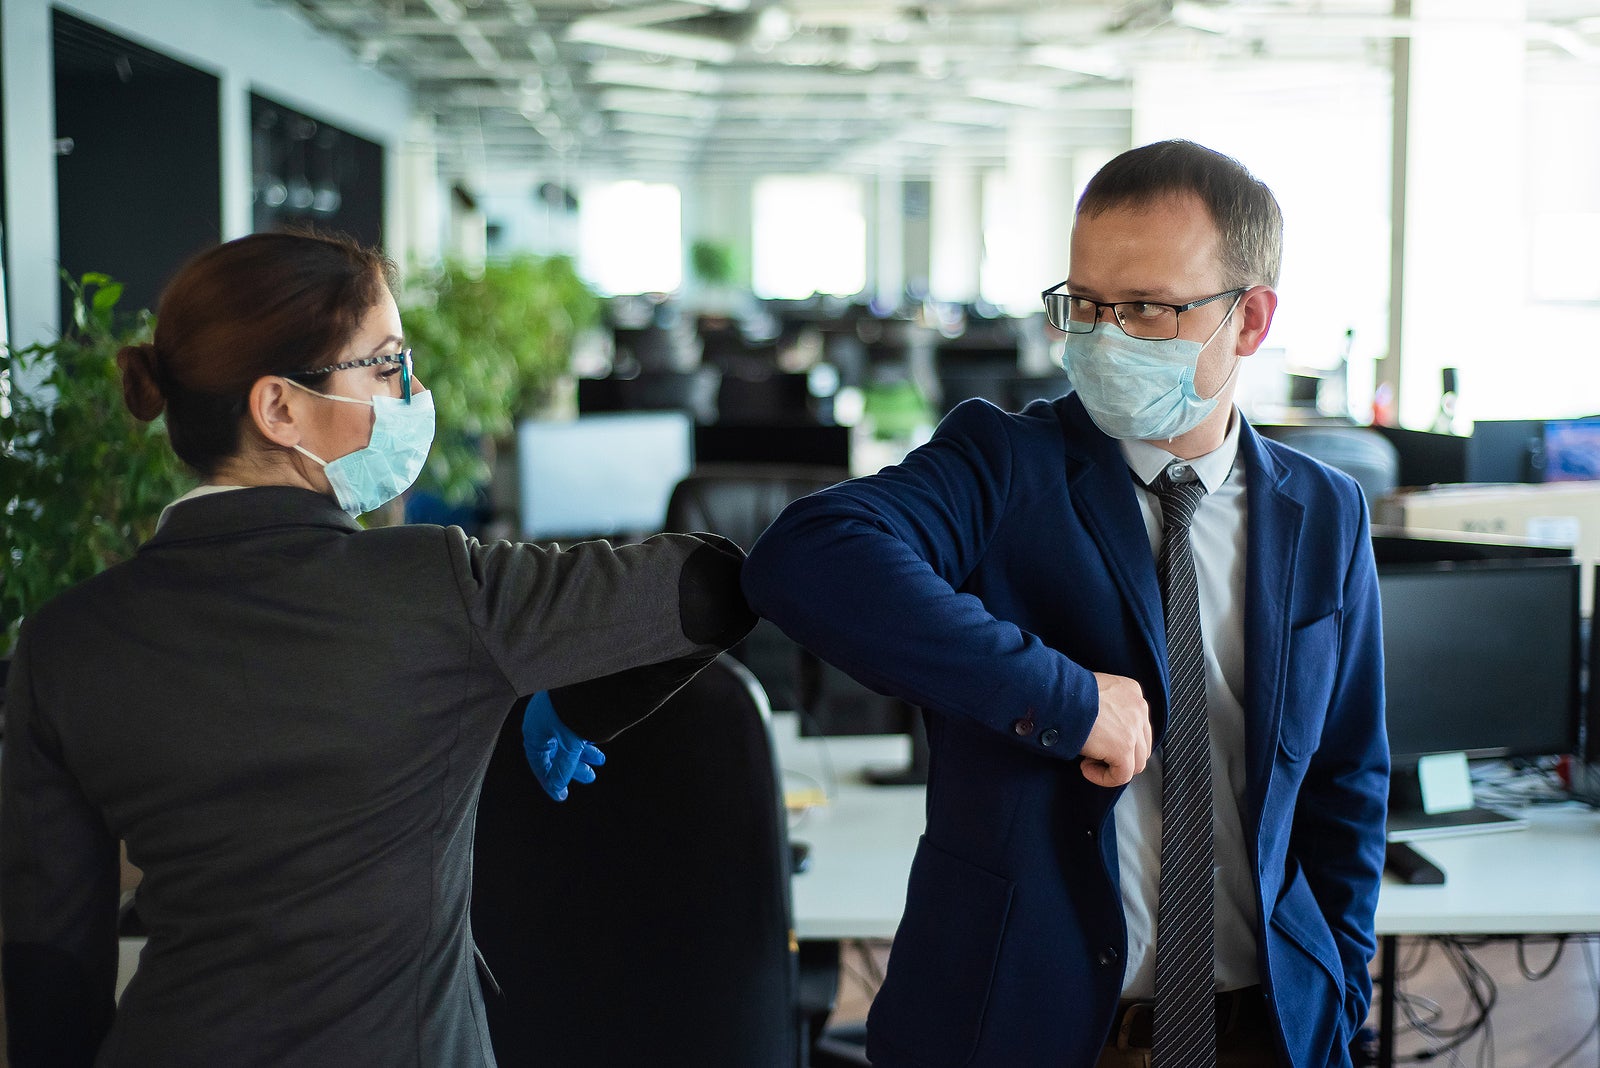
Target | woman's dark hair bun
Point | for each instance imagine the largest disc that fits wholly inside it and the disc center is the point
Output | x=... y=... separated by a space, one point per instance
x=141 y=390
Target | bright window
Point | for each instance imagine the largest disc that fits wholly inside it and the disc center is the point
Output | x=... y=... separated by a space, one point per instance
x=630 y=238
x=809 y=236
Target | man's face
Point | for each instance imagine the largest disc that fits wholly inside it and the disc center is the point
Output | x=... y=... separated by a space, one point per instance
x=1168 y=250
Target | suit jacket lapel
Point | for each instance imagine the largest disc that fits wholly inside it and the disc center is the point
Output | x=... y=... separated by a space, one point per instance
x=1272 y=546
x=1103 y=497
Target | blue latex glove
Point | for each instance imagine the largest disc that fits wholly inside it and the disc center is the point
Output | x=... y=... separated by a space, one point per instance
x=556 y=755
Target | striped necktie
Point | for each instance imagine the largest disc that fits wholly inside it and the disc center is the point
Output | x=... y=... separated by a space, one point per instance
x=1185 y=1008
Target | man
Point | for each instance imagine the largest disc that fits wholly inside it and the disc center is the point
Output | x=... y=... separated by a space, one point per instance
x=1019 y=577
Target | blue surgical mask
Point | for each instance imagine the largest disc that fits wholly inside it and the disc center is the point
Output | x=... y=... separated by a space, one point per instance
x=387 y=465
x=1138 y=389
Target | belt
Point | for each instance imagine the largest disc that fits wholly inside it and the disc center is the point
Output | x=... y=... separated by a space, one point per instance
x=1244 y=1009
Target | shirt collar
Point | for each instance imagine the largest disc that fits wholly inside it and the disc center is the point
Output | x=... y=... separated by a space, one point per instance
x=199 y=491
x=1147 y=460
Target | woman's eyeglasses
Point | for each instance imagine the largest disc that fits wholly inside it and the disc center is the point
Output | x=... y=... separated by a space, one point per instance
x=402 y=359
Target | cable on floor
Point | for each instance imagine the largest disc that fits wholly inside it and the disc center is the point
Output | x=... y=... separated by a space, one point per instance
x=1424 y=1016
x=1594 y=1029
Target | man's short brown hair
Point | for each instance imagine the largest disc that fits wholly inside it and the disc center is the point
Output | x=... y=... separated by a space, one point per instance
x=1245 y=211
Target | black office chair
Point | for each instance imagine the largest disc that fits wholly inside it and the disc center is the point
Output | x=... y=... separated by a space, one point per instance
x=739 y=501
x=646 y=920
x=1359 y=451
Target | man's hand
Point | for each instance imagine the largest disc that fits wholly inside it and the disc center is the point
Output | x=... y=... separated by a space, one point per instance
x=556 y=755
x=1119 y=743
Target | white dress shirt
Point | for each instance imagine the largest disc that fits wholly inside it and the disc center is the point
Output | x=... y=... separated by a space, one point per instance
x=1217 y=539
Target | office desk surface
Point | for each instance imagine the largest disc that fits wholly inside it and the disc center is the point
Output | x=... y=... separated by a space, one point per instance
x=1545 y=878
x=862 y=837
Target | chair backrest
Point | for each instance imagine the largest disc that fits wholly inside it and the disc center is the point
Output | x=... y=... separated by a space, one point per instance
x=645 y=920
x=1361 y=452
x=739 y=501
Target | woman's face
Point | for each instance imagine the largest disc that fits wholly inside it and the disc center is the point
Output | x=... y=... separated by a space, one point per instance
x=344 y=428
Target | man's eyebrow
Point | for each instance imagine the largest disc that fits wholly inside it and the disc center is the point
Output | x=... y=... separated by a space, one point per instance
x=1160 y=296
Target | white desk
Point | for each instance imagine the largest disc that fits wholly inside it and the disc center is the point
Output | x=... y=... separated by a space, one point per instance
x=862 y=838
x=1540 y=880
x=1544 y=879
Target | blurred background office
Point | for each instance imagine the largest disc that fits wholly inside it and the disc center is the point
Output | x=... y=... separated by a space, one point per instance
x=767 y=172
x=673 y=263
x=805 y=213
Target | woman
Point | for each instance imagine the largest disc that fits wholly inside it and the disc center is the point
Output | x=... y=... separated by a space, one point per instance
x=286 y=717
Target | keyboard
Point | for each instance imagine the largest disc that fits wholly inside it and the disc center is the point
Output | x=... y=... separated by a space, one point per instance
x=1419 y=826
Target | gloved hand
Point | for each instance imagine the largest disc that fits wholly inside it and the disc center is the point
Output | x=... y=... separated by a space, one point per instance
x=556 y=755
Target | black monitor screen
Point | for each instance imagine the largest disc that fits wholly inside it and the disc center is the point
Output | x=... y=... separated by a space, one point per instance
x=769 y=443
x=1480 y=658
x=1591 y=749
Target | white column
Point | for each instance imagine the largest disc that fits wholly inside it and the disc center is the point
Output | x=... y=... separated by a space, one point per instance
x=1028 y=240
x=957 y=239
x=417 y=238
x=238 y=181
x=888 y=268
x=1464 y=229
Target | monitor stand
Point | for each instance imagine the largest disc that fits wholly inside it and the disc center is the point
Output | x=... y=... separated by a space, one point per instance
x=916 y=772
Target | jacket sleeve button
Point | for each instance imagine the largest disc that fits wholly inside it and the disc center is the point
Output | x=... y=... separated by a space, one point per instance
x=1049 y=736
x=1023 y=727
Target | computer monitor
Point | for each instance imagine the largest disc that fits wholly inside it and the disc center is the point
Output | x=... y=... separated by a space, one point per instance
x=1571 y=450
x=1426 y=458
x=604 y=475
x=777 y=397
x=1481 y=658
x=815 y=444
x=693 y=391
x=1505 y=450
x=1591 y=701
x=1402 y=545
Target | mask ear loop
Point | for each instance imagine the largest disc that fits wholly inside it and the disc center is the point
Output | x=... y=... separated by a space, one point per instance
x=302 y=450
x=348 y=400
x=1237 y=359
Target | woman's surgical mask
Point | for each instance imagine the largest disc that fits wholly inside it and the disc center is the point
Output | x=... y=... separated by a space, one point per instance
x=1138 y=389
x=384 y=468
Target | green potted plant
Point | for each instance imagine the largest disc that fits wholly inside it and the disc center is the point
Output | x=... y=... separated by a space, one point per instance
x=712 y=263
x=492 y=342
x=82 y=482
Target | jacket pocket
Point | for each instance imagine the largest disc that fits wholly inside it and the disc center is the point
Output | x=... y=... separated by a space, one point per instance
x=1313 y=667
x=942 y=966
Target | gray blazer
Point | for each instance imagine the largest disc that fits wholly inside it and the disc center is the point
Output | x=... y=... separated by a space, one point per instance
x=287 y=719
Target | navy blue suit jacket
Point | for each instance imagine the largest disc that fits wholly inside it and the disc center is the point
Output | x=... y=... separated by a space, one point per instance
x=986 y=578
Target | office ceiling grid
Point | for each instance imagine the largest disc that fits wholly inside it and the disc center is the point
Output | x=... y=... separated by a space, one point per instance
x=667 y=87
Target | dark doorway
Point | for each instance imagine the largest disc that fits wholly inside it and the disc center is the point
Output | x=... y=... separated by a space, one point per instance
x=138 y=160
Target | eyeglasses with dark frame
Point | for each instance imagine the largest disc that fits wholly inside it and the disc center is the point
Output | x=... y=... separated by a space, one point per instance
x=1146 y=320
x=402 y=358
